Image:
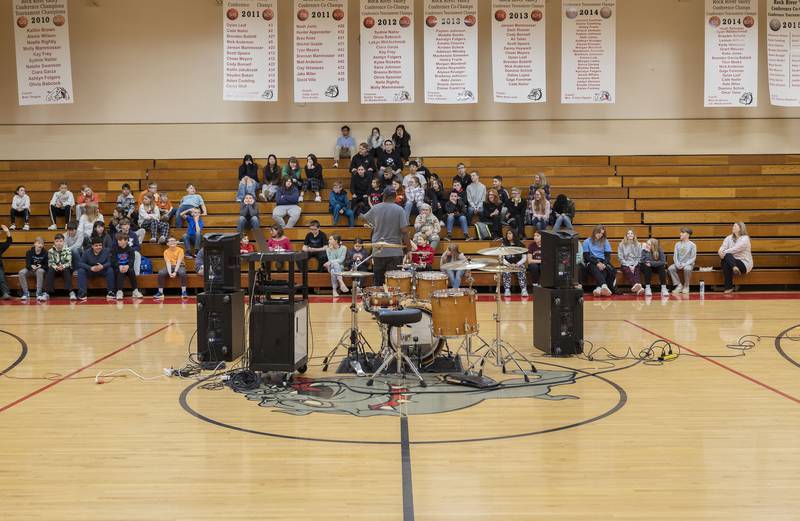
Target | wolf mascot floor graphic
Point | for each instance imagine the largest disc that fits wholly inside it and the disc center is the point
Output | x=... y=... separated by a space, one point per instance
x=351 y=395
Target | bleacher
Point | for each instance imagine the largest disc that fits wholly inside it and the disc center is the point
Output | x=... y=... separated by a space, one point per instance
x=653 y=195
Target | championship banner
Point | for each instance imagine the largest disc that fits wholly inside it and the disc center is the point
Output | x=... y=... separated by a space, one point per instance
x=783 y=53
x=731 y=69
x=387 y=51
x=588 y=51
x=44 y=69
x=451 y=51
x=250 y=59
x=320 y=51
x=518 y=51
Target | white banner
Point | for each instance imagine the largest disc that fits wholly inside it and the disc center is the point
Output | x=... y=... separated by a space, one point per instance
x=250 y=58
x=320 y=51
x=44 y=69
x=387 y=51
x=731 y=70
x=783 y=53
x=588 y=51
x=451 y=51
x=518 y=51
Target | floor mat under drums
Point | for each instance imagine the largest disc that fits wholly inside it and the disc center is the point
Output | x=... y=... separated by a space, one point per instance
x=441 y=364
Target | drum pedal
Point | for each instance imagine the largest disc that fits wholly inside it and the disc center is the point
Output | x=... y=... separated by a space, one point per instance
x=356 y=365
x=471 y=380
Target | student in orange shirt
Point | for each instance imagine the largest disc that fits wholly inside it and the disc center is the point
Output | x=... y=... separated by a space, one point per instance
x=173 y=256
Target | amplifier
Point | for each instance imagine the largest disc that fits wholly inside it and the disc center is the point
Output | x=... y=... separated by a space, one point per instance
x=559 y=256
x=558 y=321
x=279 y=336
x=220 y=326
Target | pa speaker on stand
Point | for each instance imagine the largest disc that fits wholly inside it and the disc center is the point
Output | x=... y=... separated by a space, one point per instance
x=558 y=321
x=220 y=326
x=559 y=259
x=222 y=265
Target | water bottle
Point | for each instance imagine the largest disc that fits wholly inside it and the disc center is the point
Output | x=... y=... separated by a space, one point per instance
x=702 y=288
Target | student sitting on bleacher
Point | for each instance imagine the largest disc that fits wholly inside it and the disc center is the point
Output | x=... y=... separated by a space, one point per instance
x=736 y=255
x=189 y=202
x=461 y=176
x=313 y=180
x=539 y=210
x=59 y=263
x=174 y=267
x=629 y=253
x=363 y=158
x=476 y=195
x=539 y=183
x=534 y=259
x=597 y=258
x=492 y=213
x=415 y=173
x=338 y=205
x=435 y=197
x=653 y=259
x=152 y=189
x=563 y=212
x=335 y=255
x=36 y=265
x=21 y=207
x=454 y=210
x=86 y=198
x=386 y=177
x=248 y=178
x=519 y=260
x=428 y=225
x=315 y=243
x=388 y=159
x=5 y=294
x=125 y=201
x=95 y=262
x=122 y=259
x=360 y=183
x=150 y=220
x=375 y=142
x=402 y=142
x=272 y=178
x=292 y=170
x=357 y=254
x=286 y=204
x=165 y=209
x=399 y=193
x=194 y=232
x=98 y=232
x=248 y=214
x=245 y=246
x=74 y=241
x=345 y=146
x=278 y=242
x=497 y=184
x=375 y=192
x=415 y=197
x=453 y=254
x=683 y=260
x=91 y=214
x=61 y=205
x=515 y=212
x=421 y=253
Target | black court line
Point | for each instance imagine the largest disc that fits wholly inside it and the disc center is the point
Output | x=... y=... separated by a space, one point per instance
x=405 y=457
x=23 y=352
x=779 y=347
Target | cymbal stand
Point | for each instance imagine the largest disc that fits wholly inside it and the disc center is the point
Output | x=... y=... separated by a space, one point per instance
x=352 y=339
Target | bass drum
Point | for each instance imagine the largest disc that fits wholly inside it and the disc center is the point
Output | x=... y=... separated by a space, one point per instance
x=429 y=345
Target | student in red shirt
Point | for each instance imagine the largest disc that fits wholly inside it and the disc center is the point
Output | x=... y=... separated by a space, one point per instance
x=421 y=261
x=245 y=246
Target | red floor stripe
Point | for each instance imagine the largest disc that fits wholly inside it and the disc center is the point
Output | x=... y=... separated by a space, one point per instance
x=76 y=371
x=718 y=363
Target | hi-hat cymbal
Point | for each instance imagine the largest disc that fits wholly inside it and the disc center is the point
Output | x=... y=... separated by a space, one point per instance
x=356 y=274
x=502 y=251
x=383 y=244
x=464 y=265
x=502 y=269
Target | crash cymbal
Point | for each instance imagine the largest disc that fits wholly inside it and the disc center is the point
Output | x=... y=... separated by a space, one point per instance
x=356 y=274
x=422 y=253
x=502 y=251
x=383 y=244
x=502 y=269
x=464 y=265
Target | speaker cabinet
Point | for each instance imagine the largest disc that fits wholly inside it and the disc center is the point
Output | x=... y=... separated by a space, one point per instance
x=559 y=259
x=222 y=264
x=558 y=321
x=279 y=336
x=220 y=326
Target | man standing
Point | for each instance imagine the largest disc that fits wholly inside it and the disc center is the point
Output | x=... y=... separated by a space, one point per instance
x=389 y=224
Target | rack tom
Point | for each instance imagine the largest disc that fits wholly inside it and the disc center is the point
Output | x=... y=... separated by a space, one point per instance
x=400 y=280
x=429 y=282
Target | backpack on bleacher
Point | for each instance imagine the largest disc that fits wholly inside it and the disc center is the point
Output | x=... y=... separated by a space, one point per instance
x=483 y=232
x=145 y=267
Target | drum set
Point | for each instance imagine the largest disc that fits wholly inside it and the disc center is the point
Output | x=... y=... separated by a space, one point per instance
x=417 y=313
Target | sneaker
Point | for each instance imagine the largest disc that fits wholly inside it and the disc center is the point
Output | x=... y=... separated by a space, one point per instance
x=344 y=289
x=153 y=239
x=596 y=292
x=686 y=289
x=300 y=199
x=159 y=295
x=120 y=295
x=12 y=227
x=448 y=237
x=524 y=293
x=678 y=289
x=52 y=227
x=25 y=296
x=664 y=291
x=605 y=291
x=43 y=297
x=507 y=293
x=184 y=294
x=640 y=292
x=72 y=296
x=26 y=227
x=648 y=292
x=736 y=270
x=162 y=240
x=83 y=298
x=137 y=294
x=318 y=199
x=335 y=293
x=110 y=295
x=468 y=238
x=335 y=164
x=636 y=288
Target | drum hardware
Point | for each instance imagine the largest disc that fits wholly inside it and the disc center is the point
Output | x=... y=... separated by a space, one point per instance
x=398 y=318
x=352 y=339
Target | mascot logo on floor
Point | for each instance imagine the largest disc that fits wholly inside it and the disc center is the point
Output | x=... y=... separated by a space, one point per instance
x=350 y=396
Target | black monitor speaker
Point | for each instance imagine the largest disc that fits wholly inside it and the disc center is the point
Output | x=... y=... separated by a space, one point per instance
x=559 y=259
x=558 y=321
x=278 y=337
x=221 y=262
x=220 y=326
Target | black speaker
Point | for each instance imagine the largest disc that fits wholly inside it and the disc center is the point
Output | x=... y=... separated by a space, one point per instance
x=558 y=321
x=279 y=336
x=221 y=261
x=559 y=259
x=220 y=326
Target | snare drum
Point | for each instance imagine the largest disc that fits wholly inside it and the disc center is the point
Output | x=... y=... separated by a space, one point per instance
x=378 y=298
x=429 y=282
x=399 y=279
x=454 y=312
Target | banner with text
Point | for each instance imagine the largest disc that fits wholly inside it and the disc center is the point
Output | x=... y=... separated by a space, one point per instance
x=588 y=51
x=783 y=53
x=518 y=51
x=44 y=69
x=451 y=51
x=731 y=69
x=250 y=60
x=387 y=51
x=320 y=51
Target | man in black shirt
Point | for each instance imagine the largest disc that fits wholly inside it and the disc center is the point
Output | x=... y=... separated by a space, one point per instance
x=389 y=159
x=360 y=184
x=363 y=158
x=461 y=176
x=315 y=243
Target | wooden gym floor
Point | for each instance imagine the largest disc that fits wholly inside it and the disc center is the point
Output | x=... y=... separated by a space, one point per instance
x=698 y=437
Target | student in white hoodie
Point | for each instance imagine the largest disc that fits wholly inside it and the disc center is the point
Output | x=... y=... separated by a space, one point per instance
x=683 y=260
x=736 y=255
x=629 y=252
x=20 y=207
x=61 y=205
x=476 y=195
